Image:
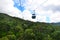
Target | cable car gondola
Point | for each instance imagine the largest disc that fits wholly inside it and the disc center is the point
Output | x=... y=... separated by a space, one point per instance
x=33 y=15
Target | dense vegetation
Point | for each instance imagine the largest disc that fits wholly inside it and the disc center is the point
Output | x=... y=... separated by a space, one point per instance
x=12 y=28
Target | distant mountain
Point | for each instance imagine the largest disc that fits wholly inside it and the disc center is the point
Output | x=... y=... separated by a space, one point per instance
x=56 y=24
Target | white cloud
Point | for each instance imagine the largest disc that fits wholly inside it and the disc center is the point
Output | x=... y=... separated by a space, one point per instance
x=40 y=6
x=55 y=17
x=52 y=2
x=6 y=6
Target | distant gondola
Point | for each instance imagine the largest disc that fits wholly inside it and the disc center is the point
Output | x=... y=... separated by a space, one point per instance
x=33 y=16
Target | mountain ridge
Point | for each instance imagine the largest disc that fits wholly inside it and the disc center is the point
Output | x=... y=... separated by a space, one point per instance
x=6 y=15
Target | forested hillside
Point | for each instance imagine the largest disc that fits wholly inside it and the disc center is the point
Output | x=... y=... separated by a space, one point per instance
x=12 y=28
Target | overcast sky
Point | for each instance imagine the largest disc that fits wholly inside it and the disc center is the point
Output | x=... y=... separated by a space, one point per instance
x=45 y=10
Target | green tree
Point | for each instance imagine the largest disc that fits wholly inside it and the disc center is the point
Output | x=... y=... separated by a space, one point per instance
x=11 y=37
x=56 y=35
x=4 y=38
x=4 y=28
x=28 y=34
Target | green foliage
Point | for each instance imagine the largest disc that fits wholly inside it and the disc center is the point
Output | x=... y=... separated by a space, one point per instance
x=11 y=37
x=4 y=38
x=12 y=28
x=56 y=35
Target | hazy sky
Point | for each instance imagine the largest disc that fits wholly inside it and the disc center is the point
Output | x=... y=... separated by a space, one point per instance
x=45 y=10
